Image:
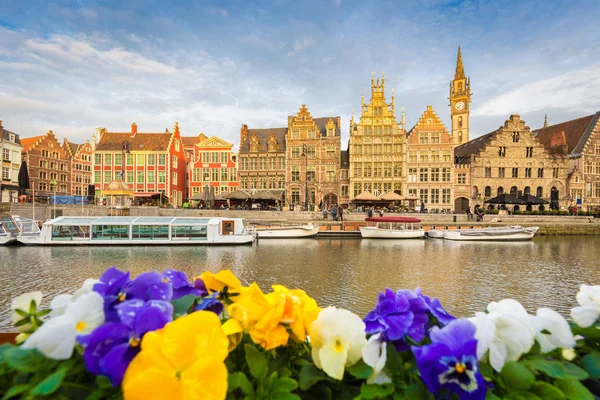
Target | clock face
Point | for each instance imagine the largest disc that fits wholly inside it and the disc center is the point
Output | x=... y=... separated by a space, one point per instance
x=459 y=105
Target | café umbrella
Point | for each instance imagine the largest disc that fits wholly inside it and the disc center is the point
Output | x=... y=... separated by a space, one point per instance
x=23 y=177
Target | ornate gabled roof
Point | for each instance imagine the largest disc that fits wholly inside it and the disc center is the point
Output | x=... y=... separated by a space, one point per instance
x=214 y=141
x=429 y=121
x=263 y=136
x=112 y=141
x=473 y=146
x=322 y=125
x=27 y=143
x=576 y=133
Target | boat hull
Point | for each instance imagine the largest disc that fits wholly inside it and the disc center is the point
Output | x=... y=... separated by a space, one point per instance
x=238 y=239
x=7 y=239
x=287 y=232
x=370 y=232
x=492 y=234
x=435 y=234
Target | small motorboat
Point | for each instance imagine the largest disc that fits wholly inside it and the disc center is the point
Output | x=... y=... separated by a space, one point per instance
x=287 y=232
x=435 y=234
x=392 y=228
x=493 y=234
x=8 y=229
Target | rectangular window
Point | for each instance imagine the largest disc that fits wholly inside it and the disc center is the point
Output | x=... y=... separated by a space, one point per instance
x=502 y=151
x=555 y=173
x=196 y=175
x=423 y=174
x=232 y=175
x=162 y=159
x=119 y=159
x=296 y=152
x=527 y=172
x=151 y=159
x=311 y=152
x=215 y=156
x=295 y=196
x=6 y=154
x=387 y=171
x=97 y=177
x=435 y=138
x=311 y=173
x=367 y=171
x=129 y=177
x=423 y=139
x=162 y=177
x=174 y=178
x=107 y=176
x=262 y=164
x=97 y=159
x=357 y=170
x=501 y=172
x=412 y=157
x=515 y=172
x=435 y=156
x=206 y=174
x=223 y=157
x=435 y=174
x=140 y=177
x=129 y=159
x=423 y=194
x=311 y=134
x=445 y=196
x=344 y=191
x=424 y=157
x=244 y=166
x=488 y=172
x=107 y=159
x=412 y=175
x=214 y=173
x=205 y=157
x=330 y=173
x=295 y=134
x=435 y=196
x=174 y=162
x=461 y=178
x=295 y=173
x=446 y=157
x=529 y=152
x=140 y=160
x=330 y=152
x=445 y=174
x=357 y=189
x=223 y=173
x=150 y=176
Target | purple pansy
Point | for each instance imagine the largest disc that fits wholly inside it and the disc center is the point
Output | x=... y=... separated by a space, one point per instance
x=112 y=346
x=435 y=308
x=149 y=286
x=111 y=286
x=397 y=315
x=181 y=286
x=199 y=284
x=450 y=361
x=210 y=303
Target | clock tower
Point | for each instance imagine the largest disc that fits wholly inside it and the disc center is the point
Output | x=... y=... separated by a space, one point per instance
x=460 y=97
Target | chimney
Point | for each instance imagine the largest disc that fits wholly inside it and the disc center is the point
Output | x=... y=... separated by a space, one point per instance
x=133 y=129
x=1 y=127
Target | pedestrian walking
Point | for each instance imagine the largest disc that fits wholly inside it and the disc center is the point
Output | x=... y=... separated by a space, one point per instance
x=469 y=214
x=341 y=213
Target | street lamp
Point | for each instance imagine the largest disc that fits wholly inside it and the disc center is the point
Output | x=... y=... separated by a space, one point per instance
x=53 y=183
x=305 y=154
x=124 y=150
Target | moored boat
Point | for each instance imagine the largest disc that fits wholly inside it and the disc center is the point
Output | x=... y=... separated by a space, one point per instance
x=286 y=232
x=141 y=231
x=8 y=229
x=501 y=233
x=392 y=228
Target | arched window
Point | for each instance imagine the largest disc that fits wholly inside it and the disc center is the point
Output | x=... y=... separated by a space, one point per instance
x=515 y=137
x=527 y=190
x=475 y=191
x=500 y=190
x=488 y=191
x=460 y=136
x=514 y=190
x=460 y=86
x=460 y=122
x=539 y=192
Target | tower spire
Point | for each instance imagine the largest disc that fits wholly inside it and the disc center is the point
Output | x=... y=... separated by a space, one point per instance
x=545 y=120
x=460 y=70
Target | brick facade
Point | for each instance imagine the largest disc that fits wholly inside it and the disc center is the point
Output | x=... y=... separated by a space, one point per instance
x=49 y=165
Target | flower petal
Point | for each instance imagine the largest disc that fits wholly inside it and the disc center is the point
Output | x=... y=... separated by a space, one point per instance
x=55 y=339
x=585 y=316
x=101 y=341
x=333 y=361
x=116 y=361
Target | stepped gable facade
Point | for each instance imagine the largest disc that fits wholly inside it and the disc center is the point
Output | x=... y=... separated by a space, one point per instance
x=313 y=148
x=49 y=165
x=261 y=159
x=430 y=162
x=579 y=139
x=10 y=149
x=154 y=162
x=214 y=165
x=513 y=160
x=81 y=166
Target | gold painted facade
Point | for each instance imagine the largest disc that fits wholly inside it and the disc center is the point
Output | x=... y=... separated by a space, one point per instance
x=312 y=159
x=377 y=146
x=430 y=163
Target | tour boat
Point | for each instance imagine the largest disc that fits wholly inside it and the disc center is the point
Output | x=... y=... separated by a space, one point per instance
x=142 y=231
x=280 y=232
x=392 y=228
x=494 y=234
x=8 y=229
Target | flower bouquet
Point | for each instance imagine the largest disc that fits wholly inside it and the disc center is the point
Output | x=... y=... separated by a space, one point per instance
x=162 y=336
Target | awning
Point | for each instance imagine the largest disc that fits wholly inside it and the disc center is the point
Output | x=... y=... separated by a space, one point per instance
x=148 y=195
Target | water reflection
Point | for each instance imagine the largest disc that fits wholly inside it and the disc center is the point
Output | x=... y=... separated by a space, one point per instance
x=343 y=272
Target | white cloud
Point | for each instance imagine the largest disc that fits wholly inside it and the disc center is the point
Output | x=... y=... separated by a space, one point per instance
x=301 y=45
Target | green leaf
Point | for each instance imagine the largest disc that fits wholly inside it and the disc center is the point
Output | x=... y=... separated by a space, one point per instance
x=309 y=375
x=553 y=369
x=521 y=395
x=44 y=312
x=21 y=322
x=285 y=396
x=375 y=391
x=574 y=390
x=360 y=370
x=517 y=376
x=491 y=396
x=16 y=390
x=182 y=305
x=32 y=307
x=286 y=384
x=546 y=391
x=103 y=382
x=239 y=380
x=256 y=362
x=418 y=391
x=574 y=372
x=591 y=363
x=50 y=384
x=22 y=313
x=23 y=360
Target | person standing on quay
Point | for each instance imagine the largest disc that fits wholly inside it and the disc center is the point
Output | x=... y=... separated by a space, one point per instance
x=341 y=209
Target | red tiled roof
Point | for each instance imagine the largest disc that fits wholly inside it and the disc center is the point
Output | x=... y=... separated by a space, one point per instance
x=27 y=143
x=574 y=131
x=113 y=141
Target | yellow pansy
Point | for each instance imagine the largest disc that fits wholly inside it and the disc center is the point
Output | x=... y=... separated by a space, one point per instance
x=234 y=331
x=184 y=360
x=217 y=282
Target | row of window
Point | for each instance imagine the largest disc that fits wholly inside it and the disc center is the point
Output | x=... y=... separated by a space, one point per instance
x=140 y=176
x=42 y=185
x=6 y=154
x=311 y=152
x=140 y=159
x=487 y=191
x=429 y=138
x=53 y=165
x=515 y=172
x=377 y=188
x=79 y=178
x=5 y=173
x=214 y=175
x=311 y=173
x=215 y=156
x=377 y=170
x=502 y=151
x=431 y=196
x=433 y=156
x=263 y=183
x=262 y=164
x=83 y=167
x=431 y=175
x=376 y=149
x=379 y=130
x=221 y=189
x=52 y=175
x=48 y=154
x=309 y=134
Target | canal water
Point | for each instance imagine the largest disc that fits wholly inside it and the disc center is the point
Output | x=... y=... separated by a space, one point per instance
x=347 y=273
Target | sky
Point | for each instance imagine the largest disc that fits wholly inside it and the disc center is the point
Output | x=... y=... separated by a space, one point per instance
x=72 y=66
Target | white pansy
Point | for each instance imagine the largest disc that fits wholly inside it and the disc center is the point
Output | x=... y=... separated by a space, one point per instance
x=569 y=354
x=337 y=337
x=588 y=311
x=59 y=304
x=23 y=302
x=506 y=338
x=374 y=355
x=56 y=337
x=559 y=332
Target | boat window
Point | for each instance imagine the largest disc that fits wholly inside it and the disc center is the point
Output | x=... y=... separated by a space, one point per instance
x=110 y=232
x=9 y=225
x=149 y=232
x=63 y=232
x=227 y=228
x=194 y=232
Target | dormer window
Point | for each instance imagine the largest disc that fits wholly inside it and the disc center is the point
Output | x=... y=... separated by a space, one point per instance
x=11 y=137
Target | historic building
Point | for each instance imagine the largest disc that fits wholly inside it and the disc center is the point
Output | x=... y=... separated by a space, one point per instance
x=10 y=146
x=430 y=164
x=344 y=178
x=312 y=159
x=213 y=164
x=377 y=146
x=580 y=139
x=261 y=159
x=49 y=165
x=460 y=99
x=512 y=160
x=154 y=162
x=81 y=166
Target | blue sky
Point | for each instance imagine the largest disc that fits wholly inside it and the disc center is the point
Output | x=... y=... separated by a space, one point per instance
x=74 y=65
